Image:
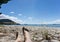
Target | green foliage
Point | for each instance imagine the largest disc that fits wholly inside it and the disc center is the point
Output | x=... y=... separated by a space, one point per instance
x=3 y=2
x=45 y=34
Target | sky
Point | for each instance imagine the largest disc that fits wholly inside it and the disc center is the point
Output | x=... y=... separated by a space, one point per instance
x=32 y=11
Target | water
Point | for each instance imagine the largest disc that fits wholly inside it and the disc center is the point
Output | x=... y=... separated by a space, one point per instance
x=47 y=25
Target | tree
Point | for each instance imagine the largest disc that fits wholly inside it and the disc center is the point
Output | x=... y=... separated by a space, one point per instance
x=3 y=2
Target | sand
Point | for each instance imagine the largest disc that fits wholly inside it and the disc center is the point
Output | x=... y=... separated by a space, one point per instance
x=37 y=33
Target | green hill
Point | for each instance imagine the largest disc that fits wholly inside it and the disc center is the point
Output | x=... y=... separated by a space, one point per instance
x=7 y=22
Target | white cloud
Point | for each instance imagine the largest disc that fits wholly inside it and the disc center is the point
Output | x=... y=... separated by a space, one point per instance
x=20 y=14
x=3 y=16
x=52 y=22
x=56 y=21
x=40 y=22
x=12 y=12
x=30 y=18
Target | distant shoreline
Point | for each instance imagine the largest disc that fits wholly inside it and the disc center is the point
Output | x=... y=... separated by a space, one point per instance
x=41 y=25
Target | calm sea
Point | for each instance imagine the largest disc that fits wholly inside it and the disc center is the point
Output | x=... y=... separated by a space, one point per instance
x=47 y=25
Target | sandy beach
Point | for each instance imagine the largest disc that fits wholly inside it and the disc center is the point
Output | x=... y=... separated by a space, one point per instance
x=36 y=32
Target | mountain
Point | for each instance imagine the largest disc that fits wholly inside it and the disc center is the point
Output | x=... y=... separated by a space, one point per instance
x=7 y=22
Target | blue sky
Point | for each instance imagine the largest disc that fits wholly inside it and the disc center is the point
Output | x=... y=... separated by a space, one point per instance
x=33 y=11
